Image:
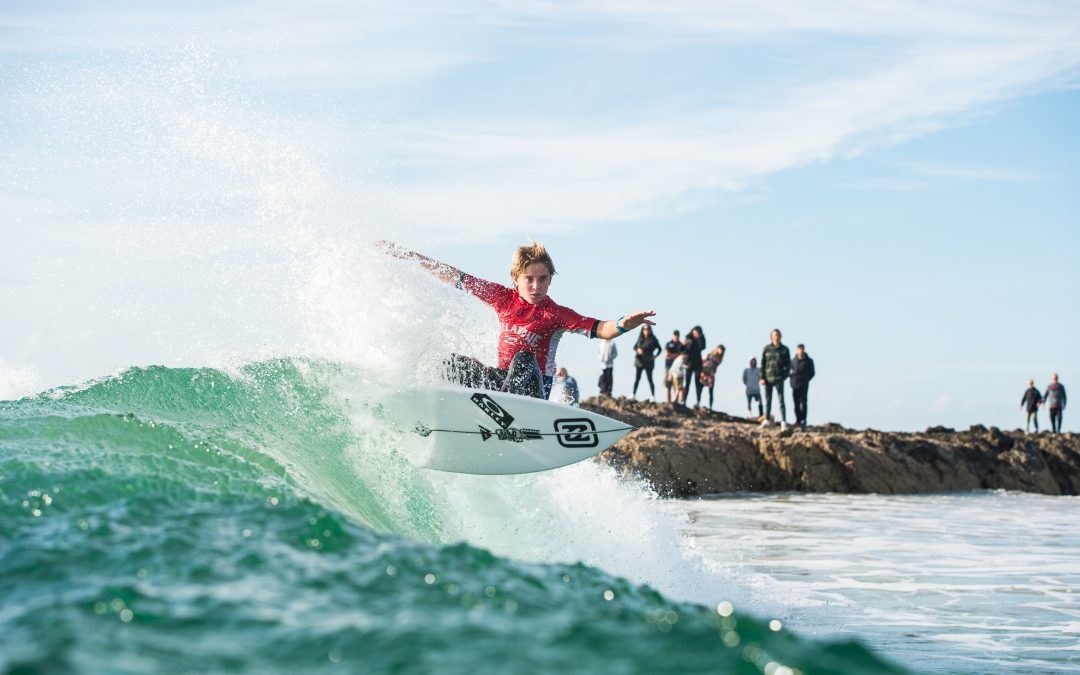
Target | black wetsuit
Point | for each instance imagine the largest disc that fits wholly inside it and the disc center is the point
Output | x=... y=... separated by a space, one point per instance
x=523 y=377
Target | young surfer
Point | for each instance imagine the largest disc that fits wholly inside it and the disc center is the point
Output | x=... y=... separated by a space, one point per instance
x=530 y=322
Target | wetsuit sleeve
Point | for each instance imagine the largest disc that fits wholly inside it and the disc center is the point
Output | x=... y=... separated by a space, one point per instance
x=569 y=320
x=488 y=291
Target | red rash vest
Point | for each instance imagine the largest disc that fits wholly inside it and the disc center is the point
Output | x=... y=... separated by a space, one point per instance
x=528 y=328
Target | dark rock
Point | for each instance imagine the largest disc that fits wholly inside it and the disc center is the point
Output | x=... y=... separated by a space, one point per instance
x=685 y=452
x=940 y=430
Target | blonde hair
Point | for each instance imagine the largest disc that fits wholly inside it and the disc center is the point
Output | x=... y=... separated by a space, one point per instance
x=524 y=256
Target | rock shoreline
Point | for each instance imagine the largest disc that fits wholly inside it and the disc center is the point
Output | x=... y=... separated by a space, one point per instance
x=685 y=453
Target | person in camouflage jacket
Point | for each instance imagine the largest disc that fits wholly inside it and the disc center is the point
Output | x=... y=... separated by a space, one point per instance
x=775 y=368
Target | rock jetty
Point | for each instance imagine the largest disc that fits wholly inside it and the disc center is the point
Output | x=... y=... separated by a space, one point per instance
x=684 y=452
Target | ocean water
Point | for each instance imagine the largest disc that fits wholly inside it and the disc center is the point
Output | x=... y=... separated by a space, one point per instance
x=263 y=520
x=985 y=582
x=254 y=513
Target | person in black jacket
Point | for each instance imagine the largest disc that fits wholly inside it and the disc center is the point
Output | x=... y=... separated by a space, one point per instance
x=1031 y=401
x=802 y=371
x=645 y=351
x=695 y=347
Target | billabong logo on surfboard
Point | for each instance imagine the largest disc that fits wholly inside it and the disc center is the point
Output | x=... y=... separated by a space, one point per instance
x=493 y=410
x=576 y=433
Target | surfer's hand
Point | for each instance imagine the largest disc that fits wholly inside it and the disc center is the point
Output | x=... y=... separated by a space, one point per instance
x=632 y=321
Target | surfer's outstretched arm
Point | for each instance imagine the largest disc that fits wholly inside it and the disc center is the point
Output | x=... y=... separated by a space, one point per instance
x=613 y=329
x=441 y=271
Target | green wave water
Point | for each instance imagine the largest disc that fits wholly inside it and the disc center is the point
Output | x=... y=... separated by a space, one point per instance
x=196 y=520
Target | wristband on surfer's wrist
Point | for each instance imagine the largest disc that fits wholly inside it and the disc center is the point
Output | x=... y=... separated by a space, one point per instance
x=619 y=327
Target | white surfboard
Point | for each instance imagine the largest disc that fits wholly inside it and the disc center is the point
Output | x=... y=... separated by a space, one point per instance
x=490 y=432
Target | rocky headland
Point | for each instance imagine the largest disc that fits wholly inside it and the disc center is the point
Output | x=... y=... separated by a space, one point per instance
x=684 y=452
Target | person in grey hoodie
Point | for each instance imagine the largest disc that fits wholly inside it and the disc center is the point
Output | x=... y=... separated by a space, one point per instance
x=1054 y=398
x=750 y=377
x=608 y=352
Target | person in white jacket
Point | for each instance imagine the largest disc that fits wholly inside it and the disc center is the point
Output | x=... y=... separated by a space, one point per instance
x=608 y=352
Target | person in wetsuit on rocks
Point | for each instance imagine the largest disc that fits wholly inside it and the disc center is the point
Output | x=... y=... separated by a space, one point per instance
x=530 y=323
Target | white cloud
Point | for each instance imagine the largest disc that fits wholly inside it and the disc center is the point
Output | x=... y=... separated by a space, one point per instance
x=997 y=174
x=889 y=71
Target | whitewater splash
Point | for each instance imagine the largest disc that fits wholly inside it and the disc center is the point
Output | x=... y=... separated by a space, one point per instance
x=317 y=424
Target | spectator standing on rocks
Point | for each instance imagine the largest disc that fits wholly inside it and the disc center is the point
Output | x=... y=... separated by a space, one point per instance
x=750 y=377
x=695 y=348
x=775 y=368
x=1054 y=398
x=608 y=352
x=672 y=349
x=802 y=371
x=1031 y=401
x=565 y=388
x=708 y=370
x=646 y=349
x=678 y=376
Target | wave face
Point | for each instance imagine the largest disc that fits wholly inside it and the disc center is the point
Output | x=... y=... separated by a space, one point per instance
x=263 y=520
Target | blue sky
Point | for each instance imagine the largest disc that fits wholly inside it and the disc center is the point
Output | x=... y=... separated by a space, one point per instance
x=892 y=183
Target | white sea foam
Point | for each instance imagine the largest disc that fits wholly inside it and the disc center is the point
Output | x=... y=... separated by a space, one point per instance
x=994 y=575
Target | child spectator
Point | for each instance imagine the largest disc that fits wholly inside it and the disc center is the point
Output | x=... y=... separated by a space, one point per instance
x=750 y=377
x=678 y=377
x=672 y=349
